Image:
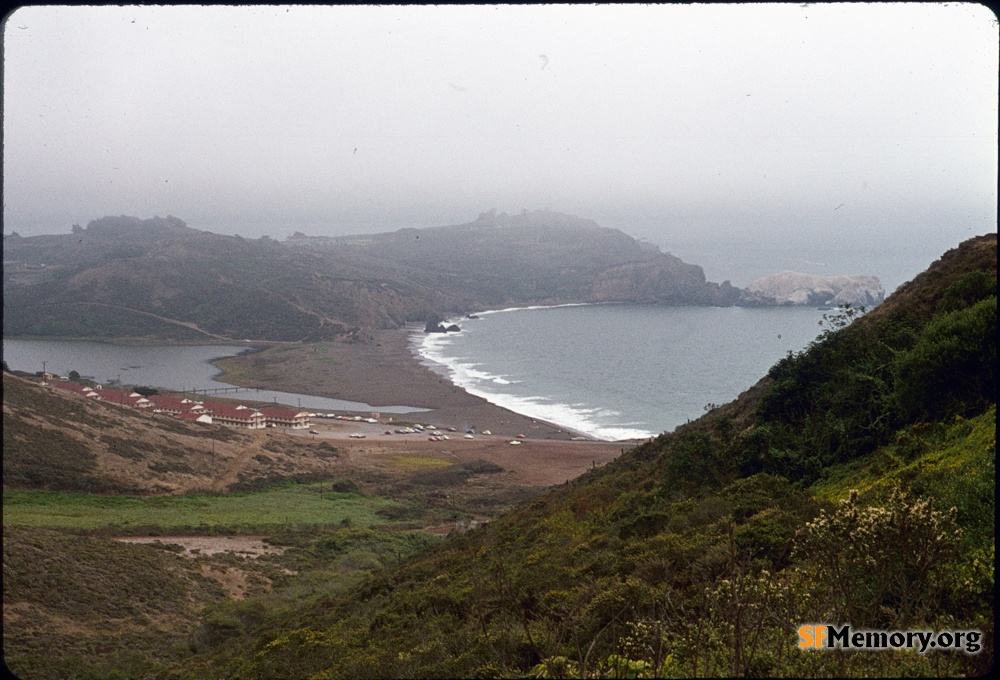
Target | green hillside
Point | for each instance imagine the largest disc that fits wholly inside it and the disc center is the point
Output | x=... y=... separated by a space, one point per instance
x=854 y=484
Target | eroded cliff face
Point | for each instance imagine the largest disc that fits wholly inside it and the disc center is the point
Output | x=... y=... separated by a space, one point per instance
x=664 y=279
x=793 y=288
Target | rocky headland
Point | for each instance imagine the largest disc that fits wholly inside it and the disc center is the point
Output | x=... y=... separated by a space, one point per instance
x=794 y=288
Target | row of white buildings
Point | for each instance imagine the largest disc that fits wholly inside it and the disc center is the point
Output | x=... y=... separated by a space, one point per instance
x=222 y=413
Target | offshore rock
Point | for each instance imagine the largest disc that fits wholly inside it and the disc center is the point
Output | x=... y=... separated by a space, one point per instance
x=438 y=327
x=793 y=288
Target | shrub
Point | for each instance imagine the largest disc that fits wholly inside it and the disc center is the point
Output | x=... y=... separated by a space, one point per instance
x=883 y=564
x=952 y=367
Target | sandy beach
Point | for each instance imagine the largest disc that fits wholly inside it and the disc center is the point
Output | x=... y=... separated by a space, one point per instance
x=383 y=371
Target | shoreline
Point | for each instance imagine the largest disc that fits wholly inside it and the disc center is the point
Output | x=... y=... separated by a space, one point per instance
x=385 y=370
x=413 y=341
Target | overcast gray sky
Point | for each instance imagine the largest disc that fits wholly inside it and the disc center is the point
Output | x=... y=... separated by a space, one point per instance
x=663 y=120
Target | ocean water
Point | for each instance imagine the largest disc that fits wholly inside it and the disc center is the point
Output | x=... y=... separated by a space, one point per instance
x=616 y=371
x=627 y=371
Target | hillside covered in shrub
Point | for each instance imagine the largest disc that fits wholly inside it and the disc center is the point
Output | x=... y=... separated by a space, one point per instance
x=854 y=484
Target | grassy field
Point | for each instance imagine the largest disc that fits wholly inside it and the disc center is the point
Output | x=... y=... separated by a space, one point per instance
x=419 y=463
x=293 y=504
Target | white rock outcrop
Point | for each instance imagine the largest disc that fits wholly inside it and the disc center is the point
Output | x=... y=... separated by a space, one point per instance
x=793 y=288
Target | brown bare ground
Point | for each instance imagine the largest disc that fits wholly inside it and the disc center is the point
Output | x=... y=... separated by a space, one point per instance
x=250 y=546
x=384 y=371
x=537 y=461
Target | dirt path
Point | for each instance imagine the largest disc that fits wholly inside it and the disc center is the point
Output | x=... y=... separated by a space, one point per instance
x=249 y=546
x=233 y=467
x=186 y=324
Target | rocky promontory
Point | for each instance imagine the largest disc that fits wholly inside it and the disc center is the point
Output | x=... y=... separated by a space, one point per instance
x=661 y=279
x=794 y=288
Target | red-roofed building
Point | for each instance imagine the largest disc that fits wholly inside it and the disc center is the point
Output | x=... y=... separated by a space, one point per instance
x=222 y=413
x=133 y=399
x=238 y=416
x=283 y=417
x=69 y=386
x=195 y=417
x=164 y=403
x=77 y=388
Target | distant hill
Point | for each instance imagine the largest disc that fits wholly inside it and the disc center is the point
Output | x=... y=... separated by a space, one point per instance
x=534 y=257
x=157 y=278
x=124 y=277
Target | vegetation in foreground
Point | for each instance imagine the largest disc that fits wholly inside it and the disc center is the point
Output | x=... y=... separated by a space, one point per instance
x=291 y=504
x=78 y=474
x=88 y=606
x=854 y=484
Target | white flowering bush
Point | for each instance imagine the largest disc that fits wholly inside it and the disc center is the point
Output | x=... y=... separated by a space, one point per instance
x=881 y=564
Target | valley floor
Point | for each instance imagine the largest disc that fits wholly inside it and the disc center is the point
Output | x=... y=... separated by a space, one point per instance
x=537 y=462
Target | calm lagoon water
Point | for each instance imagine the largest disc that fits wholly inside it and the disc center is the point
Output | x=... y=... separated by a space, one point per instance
x=172 y=367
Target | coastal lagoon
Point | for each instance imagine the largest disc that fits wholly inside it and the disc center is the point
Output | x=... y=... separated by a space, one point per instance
x=617 y=371
x=611 y=371
x=171 y=367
